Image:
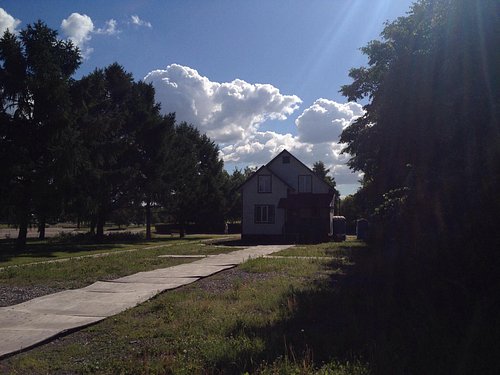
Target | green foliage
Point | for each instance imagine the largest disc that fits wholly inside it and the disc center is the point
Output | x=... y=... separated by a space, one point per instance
x=428 y=146
x=320 y=169
x=196 y=193
x=233 y=199
x=37 y=138
x=95 y=147
x=431 y=125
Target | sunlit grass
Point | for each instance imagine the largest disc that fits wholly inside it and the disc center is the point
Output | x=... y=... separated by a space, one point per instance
x=78 y=272
x=327 y=249
x=251 y=320
x=52 y=249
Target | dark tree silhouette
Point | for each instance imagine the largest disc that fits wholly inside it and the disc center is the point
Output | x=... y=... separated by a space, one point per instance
x=37 y=134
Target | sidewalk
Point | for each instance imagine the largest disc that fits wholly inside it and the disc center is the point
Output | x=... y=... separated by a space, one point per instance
x=30 y=323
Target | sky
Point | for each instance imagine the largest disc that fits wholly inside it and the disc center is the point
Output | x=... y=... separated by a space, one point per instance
x=255 y=76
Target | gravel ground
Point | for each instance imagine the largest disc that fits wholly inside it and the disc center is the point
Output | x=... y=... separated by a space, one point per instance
x=12 y=295
x=219 y=283
x=226 y=280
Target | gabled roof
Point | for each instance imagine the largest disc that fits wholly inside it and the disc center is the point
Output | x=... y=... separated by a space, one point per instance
x=278 y=177
x=271 y=172
x=305 y=166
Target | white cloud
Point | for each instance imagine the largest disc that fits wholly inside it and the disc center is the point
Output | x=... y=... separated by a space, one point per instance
x=231 y=114
x=7 y=22
x=261 y=147
x=138 y=22
x=325 y=119
x=78 y=28
x=227 y=112
x=110 y=28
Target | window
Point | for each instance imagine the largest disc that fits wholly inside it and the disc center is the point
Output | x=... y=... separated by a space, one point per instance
x=305 y=184
x=264 y=214
x=264 y=183
x=286 y=159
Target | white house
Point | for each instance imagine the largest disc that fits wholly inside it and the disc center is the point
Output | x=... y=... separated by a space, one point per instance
x=285 y=201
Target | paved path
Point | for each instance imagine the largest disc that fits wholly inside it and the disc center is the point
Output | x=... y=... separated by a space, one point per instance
x=30 y=323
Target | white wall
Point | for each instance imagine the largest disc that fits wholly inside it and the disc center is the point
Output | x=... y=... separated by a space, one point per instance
x=290 y=172
x=251 y=197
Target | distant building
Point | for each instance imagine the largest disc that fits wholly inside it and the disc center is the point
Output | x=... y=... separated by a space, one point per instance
x=285 y=201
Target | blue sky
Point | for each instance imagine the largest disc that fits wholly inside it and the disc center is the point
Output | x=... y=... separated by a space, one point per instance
x=256 y=76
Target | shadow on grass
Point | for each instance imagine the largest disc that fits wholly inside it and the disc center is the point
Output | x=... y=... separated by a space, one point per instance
x=84 y=242
x=395 y=320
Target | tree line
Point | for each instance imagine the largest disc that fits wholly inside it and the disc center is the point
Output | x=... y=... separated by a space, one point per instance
x=429 y=149
x=428 y=144
x=85 y=149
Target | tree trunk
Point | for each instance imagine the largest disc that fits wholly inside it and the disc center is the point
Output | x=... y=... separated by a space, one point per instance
x=41 y=228
x=92 y=225
x=23 y=234
x=182 y=230
x=101 y=219
x=148 y=221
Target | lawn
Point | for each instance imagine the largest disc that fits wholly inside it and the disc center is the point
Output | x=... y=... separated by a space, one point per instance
x=77 y=271
x=266 y=316
x=69 y=247
x=344 y=310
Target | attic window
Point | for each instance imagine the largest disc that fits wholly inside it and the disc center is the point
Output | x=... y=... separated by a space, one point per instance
x=286 y=159
x=264 y=183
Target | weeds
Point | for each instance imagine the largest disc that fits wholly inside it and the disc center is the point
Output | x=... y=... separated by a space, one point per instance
x=260 y=326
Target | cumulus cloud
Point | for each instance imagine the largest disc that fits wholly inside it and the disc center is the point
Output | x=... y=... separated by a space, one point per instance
x=110 y=28
x=78 y=28
x=325 y=119
x=7 y=22
x=231 y=114
x=138 y=22
x=228 y=111
x=261 y=147
x=318 y=129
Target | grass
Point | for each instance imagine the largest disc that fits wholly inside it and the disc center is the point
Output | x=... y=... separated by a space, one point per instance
x=67 y=247
x=267 y=316
x=78 y=272
x=328 y=249
x=350 y=312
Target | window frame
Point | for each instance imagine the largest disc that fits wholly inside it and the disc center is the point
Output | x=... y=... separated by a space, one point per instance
x=270 y=184
x=270 y=214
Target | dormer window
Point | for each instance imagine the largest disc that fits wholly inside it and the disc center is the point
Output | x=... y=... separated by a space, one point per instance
x=264 y=183
x=305 y=184
x=286 y=159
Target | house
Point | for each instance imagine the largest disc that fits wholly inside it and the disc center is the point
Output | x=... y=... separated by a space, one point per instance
x=285 y=201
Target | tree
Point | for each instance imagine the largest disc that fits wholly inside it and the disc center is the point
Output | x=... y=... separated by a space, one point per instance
x=429 y=148
x=104 y=101
x=321 y=171
x=37 y=134
x=197 y=187
x=431 y=129
x=153 y=144
x=233 y=199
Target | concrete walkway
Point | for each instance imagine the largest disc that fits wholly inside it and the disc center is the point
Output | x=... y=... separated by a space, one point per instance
x=30 y=323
